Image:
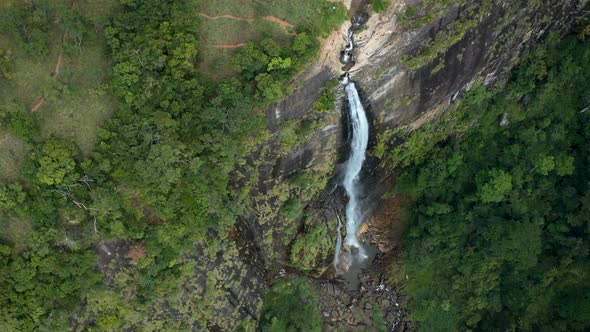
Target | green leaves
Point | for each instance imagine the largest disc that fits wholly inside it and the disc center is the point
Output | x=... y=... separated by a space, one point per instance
x=20 y=121
x=291 y=306
x=56 y=162
x=497 y=233
x=11 y=195
x=271 y=65
x=493 y=185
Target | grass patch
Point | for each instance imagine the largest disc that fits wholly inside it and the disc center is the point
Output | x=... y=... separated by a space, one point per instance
x=13 y=152
x=16 y=232
x=380 y=6
x=378 y=320
x=291 y=209
x=76 y=102
x=291 y=305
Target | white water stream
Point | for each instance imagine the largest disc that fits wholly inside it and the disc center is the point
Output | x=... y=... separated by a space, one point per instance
x=358 y=148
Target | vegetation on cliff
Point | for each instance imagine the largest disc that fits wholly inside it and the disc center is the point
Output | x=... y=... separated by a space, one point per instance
x=498 y=236
x=290 y=306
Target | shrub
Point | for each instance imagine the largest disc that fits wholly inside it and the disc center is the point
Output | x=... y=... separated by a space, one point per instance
x=289 y=306
x=291 y=209
x=380 y=6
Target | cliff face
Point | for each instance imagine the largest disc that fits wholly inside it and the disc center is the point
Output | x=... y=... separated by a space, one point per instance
x=484 y=53
x=411 y=62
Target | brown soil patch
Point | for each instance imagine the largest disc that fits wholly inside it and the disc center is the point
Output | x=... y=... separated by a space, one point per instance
x=136 y=253
x=231 y=17
x=284 y=24
x=152 y=217
x=3 y=138
x=57 y=65
x=386 y=226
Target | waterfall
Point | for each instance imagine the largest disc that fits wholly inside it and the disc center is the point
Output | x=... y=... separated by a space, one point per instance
x=358 y=147
x=352 y=250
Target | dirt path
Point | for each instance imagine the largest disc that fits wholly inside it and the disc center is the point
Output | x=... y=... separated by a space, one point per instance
x=57 y=65
x=238 y=45
x=284 y=24
x=231 y=17
x=38 y=104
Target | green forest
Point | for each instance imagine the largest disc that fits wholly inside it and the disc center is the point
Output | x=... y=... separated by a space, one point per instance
x=499 y=232
x=190 y=129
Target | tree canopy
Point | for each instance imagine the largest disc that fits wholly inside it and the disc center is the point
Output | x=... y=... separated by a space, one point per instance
x=499 y=221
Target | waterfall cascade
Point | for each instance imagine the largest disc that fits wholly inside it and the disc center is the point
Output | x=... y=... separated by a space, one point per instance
x=352 y=249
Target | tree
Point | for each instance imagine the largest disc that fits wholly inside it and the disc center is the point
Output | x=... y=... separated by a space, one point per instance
x=11 y=195
x=249 y=61
x=279 y=63
x=520 y=263
x=493 y=185
x=270 y=88
x=21 y=123
x=544 y=164
x=56 y=162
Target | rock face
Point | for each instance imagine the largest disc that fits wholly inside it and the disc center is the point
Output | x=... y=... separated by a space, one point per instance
x=408 y=72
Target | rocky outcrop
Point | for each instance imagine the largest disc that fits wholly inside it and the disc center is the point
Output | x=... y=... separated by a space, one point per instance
x=484 y=53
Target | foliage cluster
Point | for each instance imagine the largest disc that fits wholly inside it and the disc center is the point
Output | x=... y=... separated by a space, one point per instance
x=327 y=101
x=19 y=122
x=290 y=306
x=311 y=250
x=29 y=24
x=498 y=236
x=271 y=66
x=6 y=64
x=380 y=6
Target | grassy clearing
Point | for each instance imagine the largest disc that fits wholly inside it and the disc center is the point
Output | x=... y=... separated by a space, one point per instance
x=31 y=76
x=229 y=7
x=316 y=17
x=226 y=31
x=12 y=154
x=16 y=231
x=76 y=102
